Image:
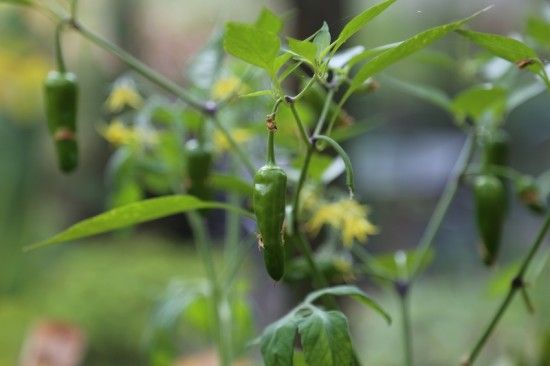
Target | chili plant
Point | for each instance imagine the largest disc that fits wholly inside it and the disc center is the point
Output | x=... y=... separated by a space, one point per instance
x=181 y=147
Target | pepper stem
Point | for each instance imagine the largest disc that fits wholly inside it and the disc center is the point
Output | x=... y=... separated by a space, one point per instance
x=58 y=50
x=271 y=148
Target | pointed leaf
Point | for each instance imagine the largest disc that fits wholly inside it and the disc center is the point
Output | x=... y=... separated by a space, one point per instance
x=351 y=291
x=304 y=49
x=135 y=213
x=322 y=39
x=403 y=50
x=277 y=342
x=325 y=339
x=268 y=21
x=509 y=49
x=253 y=45
x=358 y=22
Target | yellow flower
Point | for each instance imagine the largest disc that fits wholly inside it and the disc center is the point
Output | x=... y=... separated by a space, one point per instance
x=240 y=135
x=124 y=94
x=346 y=215
x=119 y=134
x=224 y=88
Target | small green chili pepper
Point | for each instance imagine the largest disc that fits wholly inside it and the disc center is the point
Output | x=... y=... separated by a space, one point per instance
x=61 y=93
x=269 y=207
x=495 y=148
x=199 y=163
x=490 y=208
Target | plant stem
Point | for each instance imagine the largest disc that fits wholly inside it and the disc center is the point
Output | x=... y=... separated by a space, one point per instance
x=301 y=128
x=406 y=323
x=58 y=48
x=347 y=162
x=444 y=202
x=141 y=68
x=220 y=321
x=516 y=284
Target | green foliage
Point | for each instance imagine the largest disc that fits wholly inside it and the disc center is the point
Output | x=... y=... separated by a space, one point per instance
x=324 y=334
x=254 y=45
x=134 y=213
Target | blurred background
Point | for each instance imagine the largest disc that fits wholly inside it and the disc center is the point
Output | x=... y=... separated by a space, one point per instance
x=108 y=287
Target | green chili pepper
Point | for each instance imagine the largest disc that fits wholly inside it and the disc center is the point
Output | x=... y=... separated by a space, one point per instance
x=61 y=92
x=490 y=206
x=269 y=207
x=495 y=148
x=199 y=164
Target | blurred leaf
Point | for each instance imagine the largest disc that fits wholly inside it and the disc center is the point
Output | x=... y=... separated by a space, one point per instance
x=480 y=102
x=539 y=29
x=359 y=21
x=230 y=183
x=277 y=342
x=351 y=291
x=306 y=50
x=403 y=50
x=268 y=21
x=501 y=281
x=259 y=93
x=325 y=338
x=322 y=39
x=253 y=45
x=279 y=62
x=318 y=164
x=427 y=93
x=509 y=49
x=206 y=65
x=17 y=2
x=399 y=265
x=135 y=213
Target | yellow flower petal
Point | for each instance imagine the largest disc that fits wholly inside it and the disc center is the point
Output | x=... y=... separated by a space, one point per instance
x=346 y=215
x=224 y=88
x=124 y=94
x=117 y=133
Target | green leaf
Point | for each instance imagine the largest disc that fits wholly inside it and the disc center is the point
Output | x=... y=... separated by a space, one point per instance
x=253 y=45
x=306 y=50
x=507 y=48
x=428 y=93
x=135 y=213
x=268 y=21
x=277 y=342
x=371 y=52
x=325 y=339
x=400 y=264
x=206 y=65
x=322 y=40
x=351 y=291
x=341 y=59
x=480 y=102
x=259 y=93
x=404 y=49
x=358 y=22
x=539 y=29
x=17 y=2
x=230 y=183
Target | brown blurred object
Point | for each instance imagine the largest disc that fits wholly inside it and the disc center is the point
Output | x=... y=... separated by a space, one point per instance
x=52 y=343
x=207 y=358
